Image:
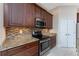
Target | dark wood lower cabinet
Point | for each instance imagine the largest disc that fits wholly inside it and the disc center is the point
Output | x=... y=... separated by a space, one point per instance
x=53 y=41
x=30 y=49
x=28 y=52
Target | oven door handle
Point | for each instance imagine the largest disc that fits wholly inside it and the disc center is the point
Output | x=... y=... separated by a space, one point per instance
x=45 y=40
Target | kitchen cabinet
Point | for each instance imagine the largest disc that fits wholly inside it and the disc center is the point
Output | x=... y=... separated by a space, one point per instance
x=53 y=41
x=24 y=14
x=13 y=14
x=47 y=17
x=37 y=12
x=29 y=15
x=0 y=53
x=43 y=14
x=19 y=14
x=30 y=49
x=77 y=17
x=49 y=21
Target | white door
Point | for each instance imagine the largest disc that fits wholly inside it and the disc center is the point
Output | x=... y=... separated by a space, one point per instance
x=63 y=33
x=71 y=36
x=67 y=32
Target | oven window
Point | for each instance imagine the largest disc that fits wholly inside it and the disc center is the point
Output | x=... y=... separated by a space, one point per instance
x=44 y=45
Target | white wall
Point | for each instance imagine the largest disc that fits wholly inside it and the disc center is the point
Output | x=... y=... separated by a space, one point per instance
x=2 y=30
x=65 y=23
x=55 y=13
x=55 y=19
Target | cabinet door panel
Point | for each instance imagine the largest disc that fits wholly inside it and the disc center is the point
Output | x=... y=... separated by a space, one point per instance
x=48 y=21
x=53 y=41
x=77 y=17
x=37 y=12
x=28 y=52
x=17 y=14
x=13 y=14
x=43 y=14
x=29 y=15
x=7 y=14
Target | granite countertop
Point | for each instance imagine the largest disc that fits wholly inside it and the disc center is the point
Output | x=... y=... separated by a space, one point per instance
x=11 y=43
x=50 y=35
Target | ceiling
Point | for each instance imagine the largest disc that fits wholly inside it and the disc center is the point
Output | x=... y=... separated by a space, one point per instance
x=50 y=6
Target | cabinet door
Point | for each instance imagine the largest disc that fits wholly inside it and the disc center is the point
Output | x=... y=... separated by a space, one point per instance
x=53 y=41
x=19 y=14
x=7 y=15
x=15 y=14
x=38 y=12
x=29 y=15
x=28 y=52
x=77 y=17
x=48 y=21
x=43 y=14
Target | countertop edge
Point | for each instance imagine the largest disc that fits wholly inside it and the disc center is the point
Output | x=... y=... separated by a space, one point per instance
x=3 y=49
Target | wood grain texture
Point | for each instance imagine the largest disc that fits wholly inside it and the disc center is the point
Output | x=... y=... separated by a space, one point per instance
x=30 y=49
x=53 y=41
x=24 y=14
x=77 y=17
x=19 y=14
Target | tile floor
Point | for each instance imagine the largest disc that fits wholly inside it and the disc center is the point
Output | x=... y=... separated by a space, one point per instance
x=61 y=52
x=78 y=46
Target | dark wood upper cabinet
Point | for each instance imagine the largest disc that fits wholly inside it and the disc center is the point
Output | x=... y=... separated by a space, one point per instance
x=7 y=14
x=47 y=17
x=37 y=12
x=48 y=20
x=19 y=14
x=49 y=23
x=29 y=15
x=14 y=14
x=24 y=14
x=43 y=14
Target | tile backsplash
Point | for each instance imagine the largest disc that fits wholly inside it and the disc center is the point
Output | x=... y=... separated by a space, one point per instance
x=23 y=33
x=18 y=33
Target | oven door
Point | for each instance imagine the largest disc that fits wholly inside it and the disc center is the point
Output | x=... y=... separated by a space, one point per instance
x=44 y=46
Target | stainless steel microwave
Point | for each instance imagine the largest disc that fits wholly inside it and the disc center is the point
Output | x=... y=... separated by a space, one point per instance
x=39 y=23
